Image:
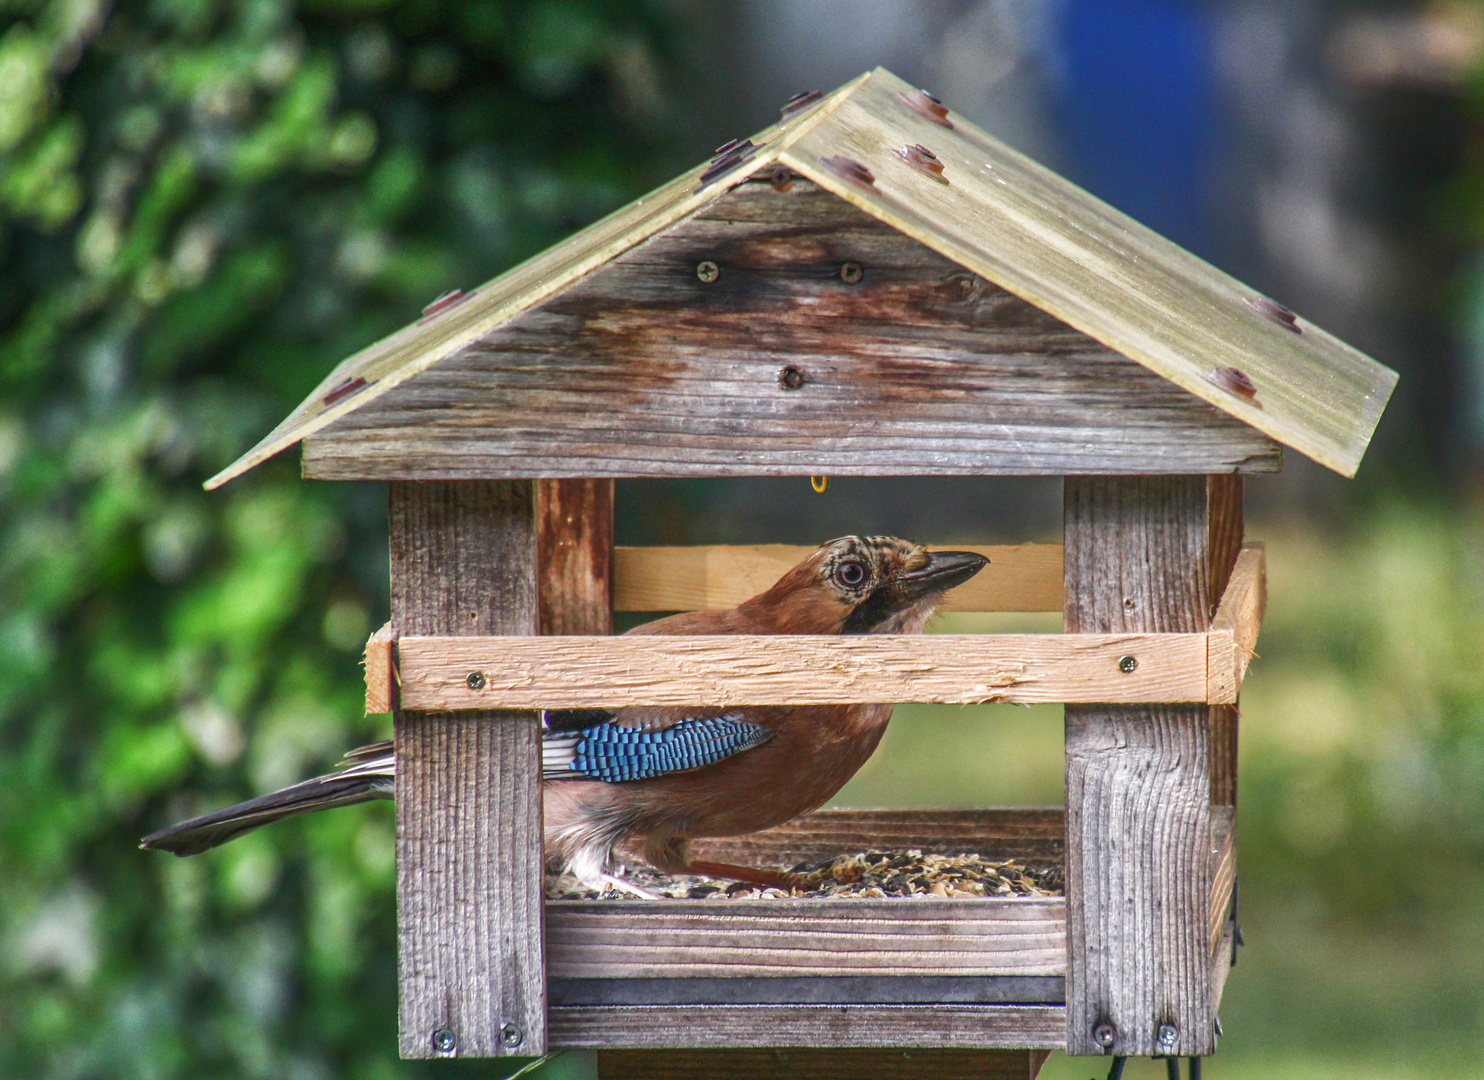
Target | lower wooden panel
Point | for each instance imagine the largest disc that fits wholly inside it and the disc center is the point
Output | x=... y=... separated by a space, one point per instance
x=818 y=1064
x=614 y=939
x=604 y=1027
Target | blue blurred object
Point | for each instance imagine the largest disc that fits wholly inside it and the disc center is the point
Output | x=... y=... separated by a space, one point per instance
x=1137 y=104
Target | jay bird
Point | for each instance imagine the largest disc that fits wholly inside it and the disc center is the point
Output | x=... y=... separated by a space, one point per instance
x=645 y=780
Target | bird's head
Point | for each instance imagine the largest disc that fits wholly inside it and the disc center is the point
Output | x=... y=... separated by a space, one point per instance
x=866 y=585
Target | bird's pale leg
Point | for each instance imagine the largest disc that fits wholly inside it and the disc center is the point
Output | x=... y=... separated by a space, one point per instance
x=615 y=882
x=752 y=875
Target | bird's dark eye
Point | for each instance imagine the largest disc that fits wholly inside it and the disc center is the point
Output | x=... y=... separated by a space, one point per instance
x=850 y=573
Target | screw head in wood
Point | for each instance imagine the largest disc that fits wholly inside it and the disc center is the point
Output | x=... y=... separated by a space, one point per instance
x=790 y=378
x=510 y=1035
x=1167 y=1035
x=1104 y=1034
x=851 y=273
x=1126 y=664
x=708 y=271
x=476 y=680
x=444 y=1041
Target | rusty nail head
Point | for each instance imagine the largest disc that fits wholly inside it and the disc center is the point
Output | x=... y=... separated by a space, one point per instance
x=476 y=680
x=790 y=378
x=708 y=271
x=1126 y=664
x=923 y=160
x=1235 y=381
x=799 y=100
x=345 y=389
x=850 y=169
x=511 y=1035
x=444 y=1041
x=1168 y=1035
x=851 y=273
x=1103 y=1034
x=445 y=300
x=1275 y=312
x=926 y=105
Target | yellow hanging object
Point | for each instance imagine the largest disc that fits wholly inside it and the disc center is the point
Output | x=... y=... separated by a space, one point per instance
x=819 y=483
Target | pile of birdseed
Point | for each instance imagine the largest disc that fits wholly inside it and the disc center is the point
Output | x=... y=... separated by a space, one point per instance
x=908 y=874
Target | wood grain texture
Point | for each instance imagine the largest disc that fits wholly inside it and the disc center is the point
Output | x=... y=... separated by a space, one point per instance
x=1034 y=836
x=797 y=669
x=1223 y=959
x=1020 y=577
x=665 y=939
x=1238 y=620
x=601 y=1027
x=1223 y=869
x=1020 y=225
x=422 y=344
x=818 y=1064
x=380 y=665
x=640 y=369
x=574 y=556
x=1139 y=556
x=469 y=857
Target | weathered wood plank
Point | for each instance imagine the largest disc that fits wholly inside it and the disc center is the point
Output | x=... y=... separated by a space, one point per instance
x=381 y=670
x=1021 y=577
x=920 y=367
x=469 y=904
x=1223 y=869
x=599 y=1027
x=444 y=673
x=818 y=1064
x=574 y=556
x=1139 y=557
x=1234 y=629
x=1017 y=223
x=1223 y=959
x=1033 y=836
x=664 y=939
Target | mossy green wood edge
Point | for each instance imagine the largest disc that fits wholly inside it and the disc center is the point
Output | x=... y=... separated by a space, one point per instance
x=1043 y=238
x=1000 y=215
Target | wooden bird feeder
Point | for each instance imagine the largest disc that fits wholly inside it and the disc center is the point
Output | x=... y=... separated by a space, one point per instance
x=873 y=286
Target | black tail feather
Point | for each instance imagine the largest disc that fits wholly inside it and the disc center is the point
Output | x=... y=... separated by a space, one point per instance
x=336 y=789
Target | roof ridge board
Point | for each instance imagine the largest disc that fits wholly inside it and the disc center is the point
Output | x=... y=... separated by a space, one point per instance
x=1196 y=282
x=454 y=333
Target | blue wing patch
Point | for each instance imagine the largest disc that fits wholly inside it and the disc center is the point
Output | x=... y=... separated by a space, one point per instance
x=613 y=753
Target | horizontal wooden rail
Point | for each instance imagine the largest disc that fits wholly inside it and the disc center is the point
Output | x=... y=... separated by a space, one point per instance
x=450 y=673
x=446 y=673
x=1020 y=577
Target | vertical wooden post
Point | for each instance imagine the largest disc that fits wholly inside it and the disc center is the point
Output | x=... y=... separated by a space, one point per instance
x=574 y=543
x=1142 y=554
x=469 y=900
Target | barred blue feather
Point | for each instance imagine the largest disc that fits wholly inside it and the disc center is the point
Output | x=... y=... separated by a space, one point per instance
x=614 y=753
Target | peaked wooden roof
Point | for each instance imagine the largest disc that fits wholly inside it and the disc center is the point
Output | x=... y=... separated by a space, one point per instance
x=998 y=214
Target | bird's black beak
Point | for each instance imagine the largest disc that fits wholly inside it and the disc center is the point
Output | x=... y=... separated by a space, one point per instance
x=944 y=571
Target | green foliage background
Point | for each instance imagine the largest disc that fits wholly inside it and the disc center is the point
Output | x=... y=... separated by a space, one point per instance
x=204 y=204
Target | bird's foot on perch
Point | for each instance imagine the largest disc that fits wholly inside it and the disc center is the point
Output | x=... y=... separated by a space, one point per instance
x=752 y=875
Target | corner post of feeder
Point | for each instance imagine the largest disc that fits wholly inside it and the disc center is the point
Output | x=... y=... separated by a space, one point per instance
x=1146 y=554
x=471 y=965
